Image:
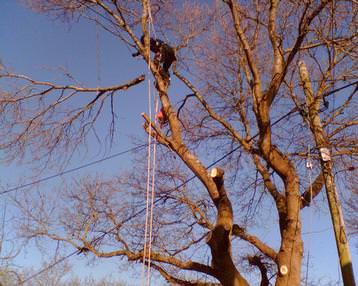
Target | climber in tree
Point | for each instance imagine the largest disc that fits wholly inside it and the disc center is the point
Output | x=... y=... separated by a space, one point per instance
x=164 y=54
x=162 y=118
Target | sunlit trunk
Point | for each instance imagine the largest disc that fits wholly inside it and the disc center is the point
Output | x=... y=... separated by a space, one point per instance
x=289 y=258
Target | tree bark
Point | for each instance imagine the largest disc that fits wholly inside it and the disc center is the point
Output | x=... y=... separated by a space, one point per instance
x=290 y=255
x=219 y=239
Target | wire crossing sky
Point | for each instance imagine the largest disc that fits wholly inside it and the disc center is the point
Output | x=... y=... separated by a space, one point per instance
x=51 y=50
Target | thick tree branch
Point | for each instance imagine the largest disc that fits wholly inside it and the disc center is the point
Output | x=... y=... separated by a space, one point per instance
x=51 y=87
x=303 y=30
x=276 y=195
x=279 y=77
x=255 y=241
x=172 y=279
x=213 y=114
x=155 y=131
x=277 y=53
x=242 y=39
x=219 y=239
x=312 y=191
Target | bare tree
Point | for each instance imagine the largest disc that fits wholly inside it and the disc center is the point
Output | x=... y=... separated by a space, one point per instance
x=240 y=61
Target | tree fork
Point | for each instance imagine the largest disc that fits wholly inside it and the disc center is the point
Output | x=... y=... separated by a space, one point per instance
x=219 y=239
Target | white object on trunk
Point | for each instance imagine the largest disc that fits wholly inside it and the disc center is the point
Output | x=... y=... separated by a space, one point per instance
x=325 y=154
x=283 y=269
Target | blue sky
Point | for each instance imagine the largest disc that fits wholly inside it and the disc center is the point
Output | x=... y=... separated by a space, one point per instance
x=34 y=44
x=31 y=43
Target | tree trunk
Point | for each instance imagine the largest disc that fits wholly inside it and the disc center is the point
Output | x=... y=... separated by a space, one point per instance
x=219 y=239
x=220 y=244
x=289 y=258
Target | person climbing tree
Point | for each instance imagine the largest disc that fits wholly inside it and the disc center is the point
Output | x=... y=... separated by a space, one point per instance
x=162 y=118
x=164 y=54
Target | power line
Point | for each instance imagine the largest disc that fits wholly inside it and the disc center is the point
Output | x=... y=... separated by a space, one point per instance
x=341 y=88
x=131 y=150
x=239 y=147
x=41 y=180
x=48 y=267
x=73 y=169
x=156 y=201
x=292 y=111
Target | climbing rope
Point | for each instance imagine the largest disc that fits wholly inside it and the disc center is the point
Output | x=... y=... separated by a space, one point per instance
x=152 y=194
x=149 y=161
x=151 y=25
x=151 y=165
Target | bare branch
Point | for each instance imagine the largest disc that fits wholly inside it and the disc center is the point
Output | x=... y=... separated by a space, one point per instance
x=265 y=249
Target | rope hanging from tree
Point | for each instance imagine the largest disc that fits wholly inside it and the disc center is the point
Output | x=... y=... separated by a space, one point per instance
x=151 y=166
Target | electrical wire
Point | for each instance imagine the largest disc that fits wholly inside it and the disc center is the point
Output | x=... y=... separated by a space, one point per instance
x=341 y=88
x=48 y=267
x=288 y=114
x=292 y=111
x=127 y=151
x=73 y=169
x=44 y=179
